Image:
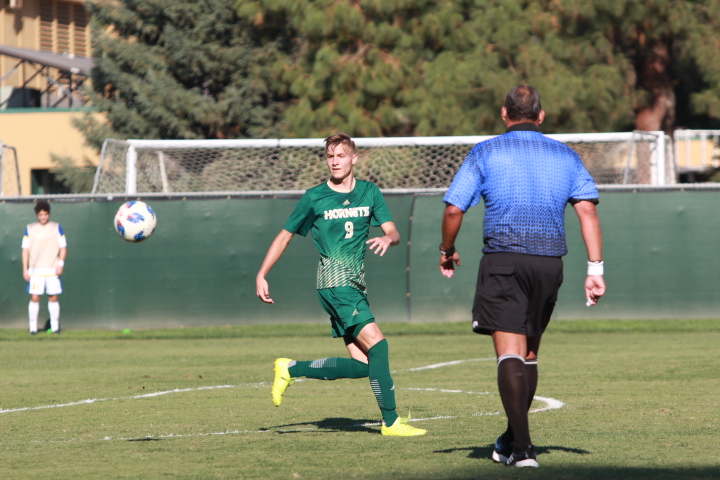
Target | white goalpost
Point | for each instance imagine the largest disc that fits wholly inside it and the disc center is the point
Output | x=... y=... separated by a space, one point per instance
x=415 y=163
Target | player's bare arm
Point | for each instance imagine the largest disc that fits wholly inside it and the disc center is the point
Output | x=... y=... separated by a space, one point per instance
x=379 y=245
x=592 y=236
x=25 y=263
x=61 y=266
x=452 y=221
x=277 y=248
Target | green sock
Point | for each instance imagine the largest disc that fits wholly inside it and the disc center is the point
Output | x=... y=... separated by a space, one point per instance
x=329 y=368
x=381 y=381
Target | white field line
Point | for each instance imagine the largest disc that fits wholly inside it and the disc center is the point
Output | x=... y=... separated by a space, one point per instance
x=177 y=390
x=96 y=400
x=183 y=390
x=447 y=364
x=443 y=390
x=550 y=404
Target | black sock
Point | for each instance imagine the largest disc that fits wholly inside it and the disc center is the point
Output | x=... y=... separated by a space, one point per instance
x=513 y=386
x=531 y=372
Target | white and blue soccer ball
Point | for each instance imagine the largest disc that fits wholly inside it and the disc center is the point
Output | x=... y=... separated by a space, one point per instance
x=135 y=221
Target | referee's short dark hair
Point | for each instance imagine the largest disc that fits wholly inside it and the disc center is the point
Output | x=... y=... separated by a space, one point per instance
x=42 y=206
x=523 y=103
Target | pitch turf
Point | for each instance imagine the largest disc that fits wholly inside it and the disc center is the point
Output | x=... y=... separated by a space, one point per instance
x=622 y=400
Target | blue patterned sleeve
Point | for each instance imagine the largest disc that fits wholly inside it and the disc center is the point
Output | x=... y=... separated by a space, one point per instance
x=466 y=188
x=584 y=187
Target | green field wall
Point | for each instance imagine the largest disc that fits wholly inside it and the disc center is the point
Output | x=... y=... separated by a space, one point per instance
x=660 y=251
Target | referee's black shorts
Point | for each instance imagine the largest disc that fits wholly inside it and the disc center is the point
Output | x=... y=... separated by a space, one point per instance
x=516 y=293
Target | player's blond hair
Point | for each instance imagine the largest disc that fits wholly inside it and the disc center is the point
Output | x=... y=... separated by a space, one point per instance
x=340 y=138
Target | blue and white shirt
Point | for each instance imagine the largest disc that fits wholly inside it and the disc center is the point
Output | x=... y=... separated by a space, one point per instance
x=526 y=179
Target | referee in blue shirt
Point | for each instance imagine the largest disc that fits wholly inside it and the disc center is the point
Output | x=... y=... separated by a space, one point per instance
x=525 y=179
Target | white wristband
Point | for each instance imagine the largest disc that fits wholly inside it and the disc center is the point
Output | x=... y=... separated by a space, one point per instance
x=61 y=263
x=595 y=268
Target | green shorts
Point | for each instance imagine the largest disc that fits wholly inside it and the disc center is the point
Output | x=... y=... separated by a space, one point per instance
x=347 y=307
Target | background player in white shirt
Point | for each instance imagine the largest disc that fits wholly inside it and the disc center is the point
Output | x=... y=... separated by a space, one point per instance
x=43 y=256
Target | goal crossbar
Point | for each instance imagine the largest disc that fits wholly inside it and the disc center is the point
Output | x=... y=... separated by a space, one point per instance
x=146 y=166
x=383 y=141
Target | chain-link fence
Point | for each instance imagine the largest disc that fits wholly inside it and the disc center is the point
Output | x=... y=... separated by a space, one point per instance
x=9 y=171
x=146 y=166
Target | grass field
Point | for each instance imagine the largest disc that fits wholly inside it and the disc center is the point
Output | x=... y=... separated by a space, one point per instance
x=620 y=400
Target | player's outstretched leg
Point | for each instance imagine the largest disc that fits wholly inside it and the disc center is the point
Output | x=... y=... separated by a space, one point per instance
x=282 y=380
x=330 y=368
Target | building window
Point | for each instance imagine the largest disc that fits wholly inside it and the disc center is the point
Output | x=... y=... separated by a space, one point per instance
x=64 y=28
x=44 y=183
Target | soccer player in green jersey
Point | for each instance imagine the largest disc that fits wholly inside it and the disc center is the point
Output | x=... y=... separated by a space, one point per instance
x=340 y=213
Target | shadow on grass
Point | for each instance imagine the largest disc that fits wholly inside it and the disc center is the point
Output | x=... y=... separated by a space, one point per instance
x=572 y=472
x=332 y=425
x=551 y=470
x=486 y=452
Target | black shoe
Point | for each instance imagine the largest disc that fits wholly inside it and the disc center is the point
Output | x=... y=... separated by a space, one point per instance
x=526 y=458
x=502 y=450
x=33 y=333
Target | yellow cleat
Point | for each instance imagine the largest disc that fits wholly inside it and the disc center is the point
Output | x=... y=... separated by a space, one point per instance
x=401 y=428
x=282 y=380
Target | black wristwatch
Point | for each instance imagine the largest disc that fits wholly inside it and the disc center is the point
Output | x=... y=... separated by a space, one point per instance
x=449 y=252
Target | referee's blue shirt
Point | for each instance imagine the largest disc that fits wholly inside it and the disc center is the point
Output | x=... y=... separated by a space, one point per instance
x=526 y=180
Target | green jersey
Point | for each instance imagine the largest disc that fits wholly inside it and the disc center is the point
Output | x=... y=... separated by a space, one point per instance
x=340 y=224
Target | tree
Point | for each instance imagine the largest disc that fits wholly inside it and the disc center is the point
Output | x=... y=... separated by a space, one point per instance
x=421 y=67
x=670 y=45
x=307 y=68
x=670 y=48
x=178 y=70
x=348 y=65
x=79 y=179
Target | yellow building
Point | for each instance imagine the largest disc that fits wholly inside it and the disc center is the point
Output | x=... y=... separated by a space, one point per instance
x=45 y=61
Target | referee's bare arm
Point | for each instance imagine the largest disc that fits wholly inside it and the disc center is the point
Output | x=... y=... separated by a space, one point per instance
x=592 y=236
x=452 y=221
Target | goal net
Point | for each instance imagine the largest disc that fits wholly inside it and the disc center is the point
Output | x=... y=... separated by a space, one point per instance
x=9 y=171
x=179 y=166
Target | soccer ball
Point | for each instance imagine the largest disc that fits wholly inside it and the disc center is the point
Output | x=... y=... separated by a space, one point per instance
x=135 y=221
